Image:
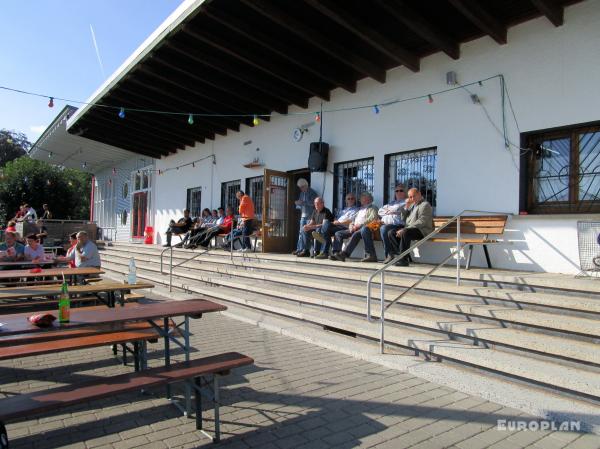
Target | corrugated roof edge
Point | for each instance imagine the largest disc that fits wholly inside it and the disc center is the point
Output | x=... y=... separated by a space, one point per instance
x=65 y=112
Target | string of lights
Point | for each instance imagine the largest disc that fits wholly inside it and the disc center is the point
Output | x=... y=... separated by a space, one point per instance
x=375 y=108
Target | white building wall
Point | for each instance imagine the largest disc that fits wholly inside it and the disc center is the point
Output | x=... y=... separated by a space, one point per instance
x=552 y=75
x=121 y=204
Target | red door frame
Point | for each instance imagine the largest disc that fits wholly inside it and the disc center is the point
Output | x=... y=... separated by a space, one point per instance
x=141 y=215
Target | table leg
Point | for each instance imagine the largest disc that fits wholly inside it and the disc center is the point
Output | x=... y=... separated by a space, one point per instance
x=188 y=387
x=167 y=350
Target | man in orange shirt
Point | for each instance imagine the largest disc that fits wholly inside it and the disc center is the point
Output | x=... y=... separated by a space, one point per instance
x=245 y=223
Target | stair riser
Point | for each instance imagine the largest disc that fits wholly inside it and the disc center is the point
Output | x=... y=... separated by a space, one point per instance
x=394 y=283
x=393 y=317
x=415 y=347
x=284 y=289
x=501 y=280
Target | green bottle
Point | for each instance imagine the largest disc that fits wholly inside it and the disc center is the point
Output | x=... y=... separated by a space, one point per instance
x=64 y=303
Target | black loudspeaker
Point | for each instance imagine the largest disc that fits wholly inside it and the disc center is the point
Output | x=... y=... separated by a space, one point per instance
x=317 y=157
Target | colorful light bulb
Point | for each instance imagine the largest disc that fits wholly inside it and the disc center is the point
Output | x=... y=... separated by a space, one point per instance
x=122 y=113
x=51 y=102
x=376 y=109
x=429 y=99
x=191 y=119
x=255 y=121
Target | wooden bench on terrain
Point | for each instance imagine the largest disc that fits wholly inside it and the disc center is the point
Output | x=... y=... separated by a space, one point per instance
x=197 y=373
x=477 y=228
x=256 y=234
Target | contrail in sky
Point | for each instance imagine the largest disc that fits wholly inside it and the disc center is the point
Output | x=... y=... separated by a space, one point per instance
x=97 y=51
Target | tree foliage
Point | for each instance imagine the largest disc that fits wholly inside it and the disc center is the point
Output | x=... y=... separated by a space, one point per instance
x=26 y=180
x=12 y=146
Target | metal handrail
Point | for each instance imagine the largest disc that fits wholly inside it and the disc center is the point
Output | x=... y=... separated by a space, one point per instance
x=382 y=270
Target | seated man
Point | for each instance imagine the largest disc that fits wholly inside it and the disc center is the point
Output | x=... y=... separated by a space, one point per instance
x=418 y=216
x=34 y=251
x=11 y=250
x=182 y=226
x=329 y=228
x=85 y=254
x=319 y=216
x=356 y=230
x=391 y=219
x=223 y=226
x=47 y=214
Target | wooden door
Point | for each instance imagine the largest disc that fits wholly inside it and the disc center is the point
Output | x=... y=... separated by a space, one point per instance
x=277 y=212
x=138 y=214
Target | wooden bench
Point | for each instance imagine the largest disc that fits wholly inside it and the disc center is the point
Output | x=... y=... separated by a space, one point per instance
x=256 y=234
x=478 y=228
x=19 y=346
x=195 y=372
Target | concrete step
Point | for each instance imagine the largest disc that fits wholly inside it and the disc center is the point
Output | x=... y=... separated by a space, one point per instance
x=459 y=327
x=466 y=307
x=306 y=272
x=522 y=280
x=574 y=380
x=520 y=395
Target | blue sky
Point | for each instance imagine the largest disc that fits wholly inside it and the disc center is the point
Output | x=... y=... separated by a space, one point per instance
x=46 y=46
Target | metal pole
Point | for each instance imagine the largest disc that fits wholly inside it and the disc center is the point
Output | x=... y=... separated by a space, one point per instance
x=186 y=344
x=171 y=272
x=382 y=317
x=369 y=300
x=458 y=250
x=231 y=243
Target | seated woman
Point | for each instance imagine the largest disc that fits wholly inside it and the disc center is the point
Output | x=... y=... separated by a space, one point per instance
x=34 y=251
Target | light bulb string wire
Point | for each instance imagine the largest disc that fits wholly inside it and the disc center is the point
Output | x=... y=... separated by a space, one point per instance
x=384 y=103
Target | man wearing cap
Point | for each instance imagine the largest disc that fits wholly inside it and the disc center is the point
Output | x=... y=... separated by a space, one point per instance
x=305 y=204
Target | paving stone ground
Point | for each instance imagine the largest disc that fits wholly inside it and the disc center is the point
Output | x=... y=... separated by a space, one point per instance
x=295 y=396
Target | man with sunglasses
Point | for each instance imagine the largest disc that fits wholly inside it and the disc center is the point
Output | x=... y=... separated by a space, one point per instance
x=391 y=219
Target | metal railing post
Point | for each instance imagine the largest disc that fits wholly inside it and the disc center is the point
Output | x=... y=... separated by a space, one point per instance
x=231 y=243
x=382 y=317
x=369 y=300
x=458 y=250
x=171 y=271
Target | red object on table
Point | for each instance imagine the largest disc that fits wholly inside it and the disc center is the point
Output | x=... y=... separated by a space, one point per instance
x=35 y=270
x=42 y=319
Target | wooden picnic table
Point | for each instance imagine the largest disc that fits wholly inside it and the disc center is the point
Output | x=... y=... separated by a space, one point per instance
x=70 y=273
x=17 y=324
x=36 y=291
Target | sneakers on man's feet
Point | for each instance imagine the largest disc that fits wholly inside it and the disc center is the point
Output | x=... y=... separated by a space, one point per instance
x=303 y=254
x=318 y=237
x=295 y=252
x=322 y=256
x=341 y=256
x=332 y=256
x=388 y=259
x=166 y=245
x=369 y=258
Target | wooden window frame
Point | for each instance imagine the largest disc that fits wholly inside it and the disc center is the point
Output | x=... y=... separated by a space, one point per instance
x=529 y=141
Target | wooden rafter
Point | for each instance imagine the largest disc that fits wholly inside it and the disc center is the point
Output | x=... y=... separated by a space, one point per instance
x=313 y=63
x=374 y=38
x=405 y=14
x=476 y=13
x=302 y=82
x=553 y=12
x=312 y=35
x=237 y=72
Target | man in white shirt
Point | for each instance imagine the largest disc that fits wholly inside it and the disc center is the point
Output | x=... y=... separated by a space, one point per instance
x=30 y=214
x=85 y=254
x=391 y=218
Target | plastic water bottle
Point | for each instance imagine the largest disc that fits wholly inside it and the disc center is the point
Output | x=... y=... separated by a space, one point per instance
x=131 y=276
x=64 y=303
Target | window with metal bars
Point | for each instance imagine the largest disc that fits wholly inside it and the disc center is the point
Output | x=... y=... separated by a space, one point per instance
x=255 y=190
x=228 y=191
x=562 y=169
x=412 y=169
x=352 y=176
x=194 y=201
